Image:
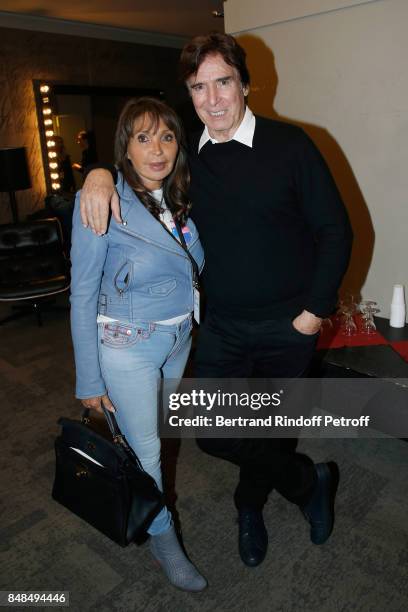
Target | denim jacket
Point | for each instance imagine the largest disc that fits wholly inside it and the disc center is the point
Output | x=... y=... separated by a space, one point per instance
x=136 y=272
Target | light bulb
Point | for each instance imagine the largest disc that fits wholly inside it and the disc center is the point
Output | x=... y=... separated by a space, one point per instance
x=44 y=88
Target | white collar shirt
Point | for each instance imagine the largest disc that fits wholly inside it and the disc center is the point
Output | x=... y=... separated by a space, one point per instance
x=244 y=133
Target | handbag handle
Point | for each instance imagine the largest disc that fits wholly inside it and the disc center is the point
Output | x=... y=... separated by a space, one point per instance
x=112 y=423
x=117 y=435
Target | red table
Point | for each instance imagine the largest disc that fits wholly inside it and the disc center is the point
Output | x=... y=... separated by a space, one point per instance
x=332 y=338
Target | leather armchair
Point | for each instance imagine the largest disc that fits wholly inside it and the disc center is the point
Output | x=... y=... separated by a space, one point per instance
x=33 y=267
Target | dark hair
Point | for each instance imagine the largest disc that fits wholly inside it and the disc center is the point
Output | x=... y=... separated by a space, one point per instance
x=88 y=136
x=175 y=186
x=195 y=52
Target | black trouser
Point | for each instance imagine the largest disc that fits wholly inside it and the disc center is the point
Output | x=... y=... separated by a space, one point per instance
x=236 y=348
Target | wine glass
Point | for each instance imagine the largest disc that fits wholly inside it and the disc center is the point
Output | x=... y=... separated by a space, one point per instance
x=348 y=326
x=345 y=315
x=368 y=310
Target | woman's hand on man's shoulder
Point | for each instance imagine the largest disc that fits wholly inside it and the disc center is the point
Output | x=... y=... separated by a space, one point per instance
x=98 y=194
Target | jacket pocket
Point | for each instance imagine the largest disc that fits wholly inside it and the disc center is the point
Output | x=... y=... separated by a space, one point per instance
x=123 y=277
x=163 y=288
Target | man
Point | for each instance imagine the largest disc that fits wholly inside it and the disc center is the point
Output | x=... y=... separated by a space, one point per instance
x=86 y=141
x=277 y=242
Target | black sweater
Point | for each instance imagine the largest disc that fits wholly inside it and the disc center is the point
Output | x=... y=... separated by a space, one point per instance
x=276 y=235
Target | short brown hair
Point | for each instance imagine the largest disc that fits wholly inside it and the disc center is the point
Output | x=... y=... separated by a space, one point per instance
x=195 y=52
x=175 y=186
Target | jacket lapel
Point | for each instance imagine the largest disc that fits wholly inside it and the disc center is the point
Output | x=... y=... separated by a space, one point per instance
x=138 y=220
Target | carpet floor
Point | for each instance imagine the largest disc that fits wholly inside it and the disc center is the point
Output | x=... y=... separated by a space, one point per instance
x=362 y=568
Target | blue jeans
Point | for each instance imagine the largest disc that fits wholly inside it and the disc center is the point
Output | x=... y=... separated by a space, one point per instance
x=134 y=358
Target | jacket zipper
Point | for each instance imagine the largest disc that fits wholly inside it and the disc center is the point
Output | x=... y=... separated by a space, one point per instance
x=155 y=244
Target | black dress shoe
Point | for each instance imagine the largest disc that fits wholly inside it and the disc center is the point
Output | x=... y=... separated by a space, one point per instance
x=319 y=510
x=252 y=537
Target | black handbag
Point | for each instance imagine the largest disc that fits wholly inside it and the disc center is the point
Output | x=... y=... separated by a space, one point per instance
x=103 y=482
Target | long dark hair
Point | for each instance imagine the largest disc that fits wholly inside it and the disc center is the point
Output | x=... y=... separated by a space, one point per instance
x=175 y=185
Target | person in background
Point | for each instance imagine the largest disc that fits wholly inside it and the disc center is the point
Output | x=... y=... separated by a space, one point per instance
x=86 y=140
x=132 y=299
x=277 y=241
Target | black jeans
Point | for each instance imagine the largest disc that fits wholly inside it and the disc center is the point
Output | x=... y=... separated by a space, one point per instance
x=236 y=348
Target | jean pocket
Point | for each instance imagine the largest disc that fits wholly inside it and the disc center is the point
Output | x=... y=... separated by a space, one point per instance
x=300 y=334
x=120 y=335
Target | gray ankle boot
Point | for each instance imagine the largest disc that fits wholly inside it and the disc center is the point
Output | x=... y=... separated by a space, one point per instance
x=168 y=553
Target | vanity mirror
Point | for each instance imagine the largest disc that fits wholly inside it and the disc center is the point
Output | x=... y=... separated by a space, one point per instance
x=77 y=125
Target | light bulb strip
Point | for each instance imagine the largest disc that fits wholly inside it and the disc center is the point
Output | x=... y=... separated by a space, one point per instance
x=46 y=126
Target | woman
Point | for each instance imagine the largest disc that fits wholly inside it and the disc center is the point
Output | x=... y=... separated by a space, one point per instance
x=132 y=299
